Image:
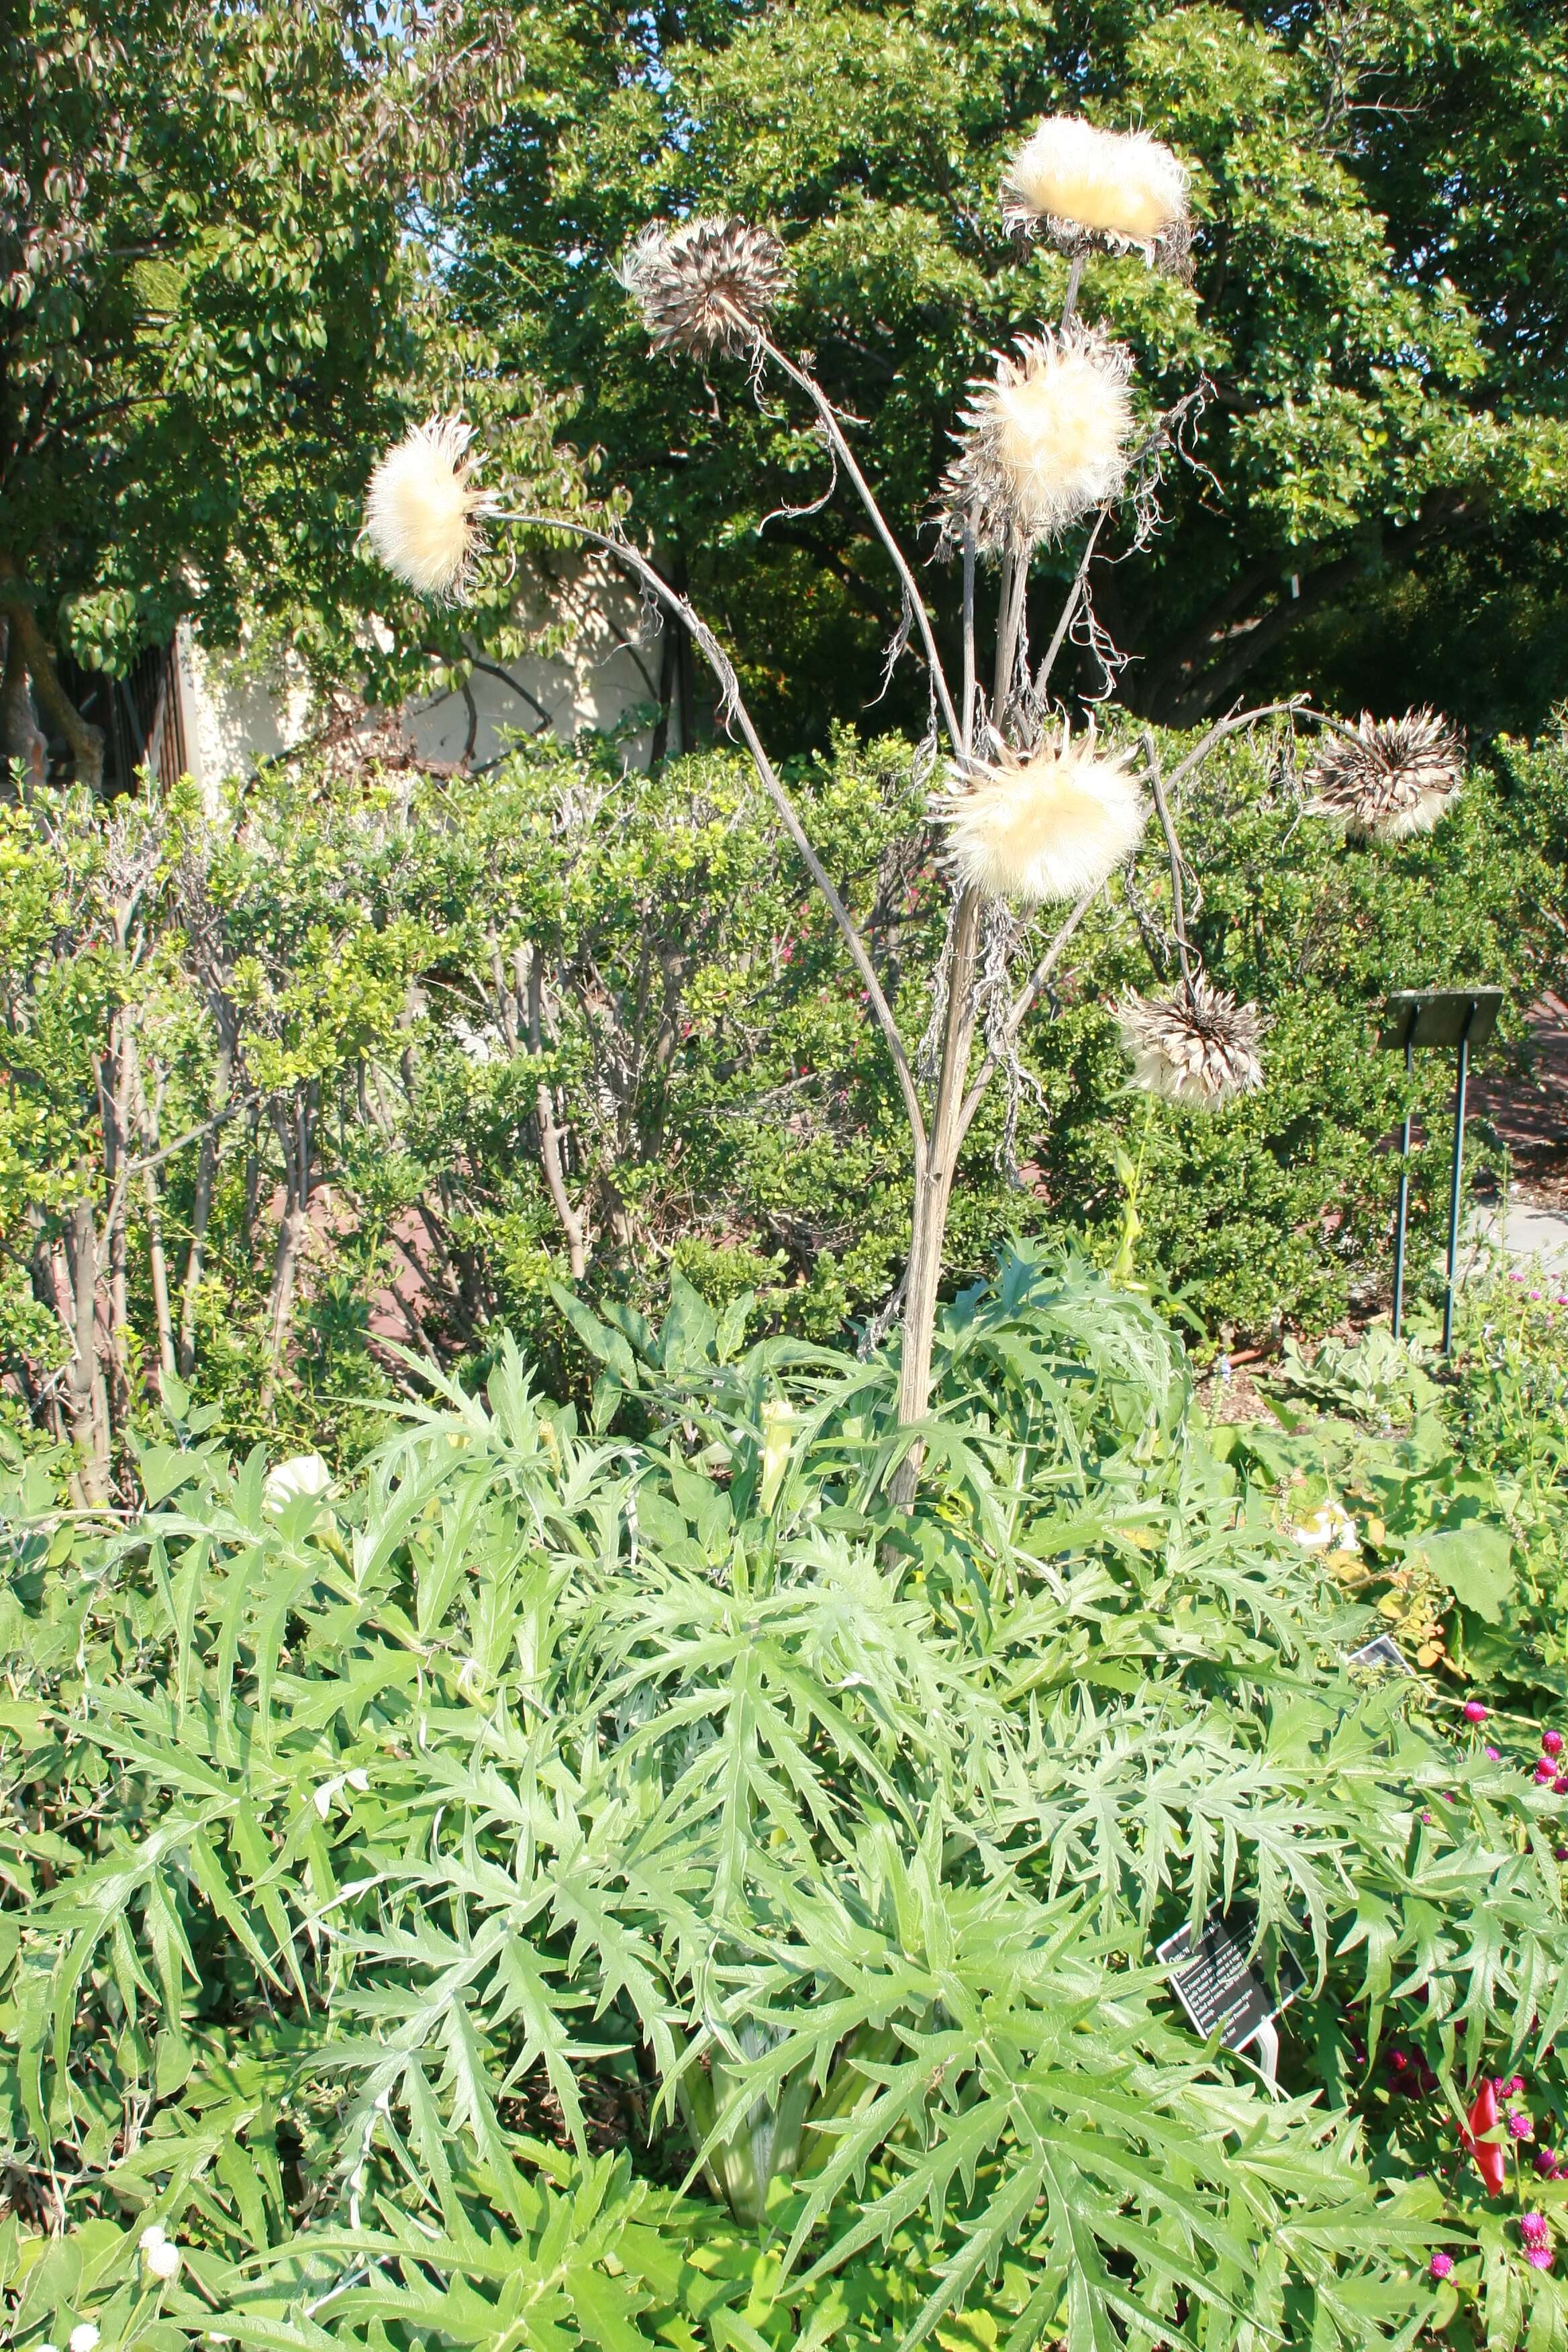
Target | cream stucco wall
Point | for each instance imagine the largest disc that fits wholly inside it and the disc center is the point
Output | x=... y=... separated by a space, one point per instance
x=609 y=665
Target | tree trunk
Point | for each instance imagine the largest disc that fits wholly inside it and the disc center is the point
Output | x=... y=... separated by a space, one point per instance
x=207 y=1176
x=21 y=737
x=293 y=1128
x=86 y=1401
x=54 y=704
x=149 y=1123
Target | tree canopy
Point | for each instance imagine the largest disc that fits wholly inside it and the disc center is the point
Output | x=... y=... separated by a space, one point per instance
x=1380 y=470
x=214 y=309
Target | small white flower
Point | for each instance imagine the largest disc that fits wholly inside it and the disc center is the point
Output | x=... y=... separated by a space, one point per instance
x=162 y=2260
x=1330 y=1528
x=84 y=2338
x=302 y=1474
x=153 y=2235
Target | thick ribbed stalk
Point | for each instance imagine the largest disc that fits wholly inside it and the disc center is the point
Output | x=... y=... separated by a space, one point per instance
x=933 y=1193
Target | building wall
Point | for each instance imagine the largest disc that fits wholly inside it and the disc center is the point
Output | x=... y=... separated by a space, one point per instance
x=607 y=668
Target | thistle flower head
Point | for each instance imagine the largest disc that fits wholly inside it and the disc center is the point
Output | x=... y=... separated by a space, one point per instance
x=1117 y=190
x=421 y=509
x=1390 y=779
x=707 y=286
x=1194 y=1044
x=1048 y=825
x=1042 y=441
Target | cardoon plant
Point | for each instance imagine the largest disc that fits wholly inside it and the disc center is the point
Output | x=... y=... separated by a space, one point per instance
x=1029 y=814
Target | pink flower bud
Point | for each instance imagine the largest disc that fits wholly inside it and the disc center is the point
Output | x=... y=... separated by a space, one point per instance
x=1560 y=1786
x=1495 y=1754
x=1474 y=1711
x=1532 y=2228
x=1441 y=2265
x=1553 y=1742
x=1545 y=2162
x=1514 y=2087
x=1538 y=2257
x=1520 y=2126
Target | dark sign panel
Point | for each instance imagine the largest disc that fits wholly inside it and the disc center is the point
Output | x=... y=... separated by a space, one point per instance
x=1210 y=1978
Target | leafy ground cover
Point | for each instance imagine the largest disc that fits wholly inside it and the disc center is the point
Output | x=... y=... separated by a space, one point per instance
x=606 y=1881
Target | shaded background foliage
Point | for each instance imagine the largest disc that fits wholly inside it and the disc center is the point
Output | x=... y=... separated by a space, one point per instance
x=1375 y=508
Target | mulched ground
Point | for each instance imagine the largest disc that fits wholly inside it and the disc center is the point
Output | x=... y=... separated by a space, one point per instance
x=1531 y=1115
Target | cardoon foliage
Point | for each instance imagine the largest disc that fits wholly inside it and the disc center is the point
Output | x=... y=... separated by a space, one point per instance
x=553 y=1793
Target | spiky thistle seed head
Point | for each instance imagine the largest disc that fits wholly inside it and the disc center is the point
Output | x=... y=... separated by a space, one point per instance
x=1194 y=1044
x=1390 y=779
x=1042 y=441
x=707 y=286
x=1043 y=826
x=1119 y=189
x=422 y=507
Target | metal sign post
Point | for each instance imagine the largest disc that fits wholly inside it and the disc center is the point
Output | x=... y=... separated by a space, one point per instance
x=1463 y=1018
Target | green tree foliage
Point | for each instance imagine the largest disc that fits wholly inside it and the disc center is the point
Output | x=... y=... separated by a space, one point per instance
x=212 y=315
x=387 y=1856
x=1377 y=499
x=374 y=1060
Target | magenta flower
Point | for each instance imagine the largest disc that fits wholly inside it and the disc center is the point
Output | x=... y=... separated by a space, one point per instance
x=1494 y=1753
x=1560 y=1786
x=1538 y=2257
x=1519 y=2124
x=1553 y=1742
x=1543 y=1772
x=1514 y=2087
x=1533 y=2229
x=1474 y=1711
x=1545 y=2162
x=1441 y=2265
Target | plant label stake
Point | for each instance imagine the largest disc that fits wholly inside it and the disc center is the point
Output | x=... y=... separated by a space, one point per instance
x=1461 y=1017
x=1213 y=1982
x=1381 y=1651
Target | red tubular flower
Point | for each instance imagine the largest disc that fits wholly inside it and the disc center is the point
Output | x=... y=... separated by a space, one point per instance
x=1490 y=2161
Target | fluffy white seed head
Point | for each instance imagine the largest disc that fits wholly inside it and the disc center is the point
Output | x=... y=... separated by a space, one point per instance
x=83 y=2338
x=1042 y=441
x=1391 y=779
x=162 y=2259
x=1041 y=828
x=422 y=507
x=1195 y=1046
x=1119 y=189
x=706 y=286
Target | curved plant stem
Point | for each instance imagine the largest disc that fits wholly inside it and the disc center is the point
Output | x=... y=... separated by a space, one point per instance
x=1173 y=850
x=832 y=425
x=723 y=669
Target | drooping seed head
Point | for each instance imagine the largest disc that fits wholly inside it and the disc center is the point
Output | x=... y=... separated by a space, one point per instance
x=1392 y=778
x=706 y=286
x=1043 y=826
x=422 y=507
x=1195 y=1044
x=1042 y=441
x=1119 y=189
